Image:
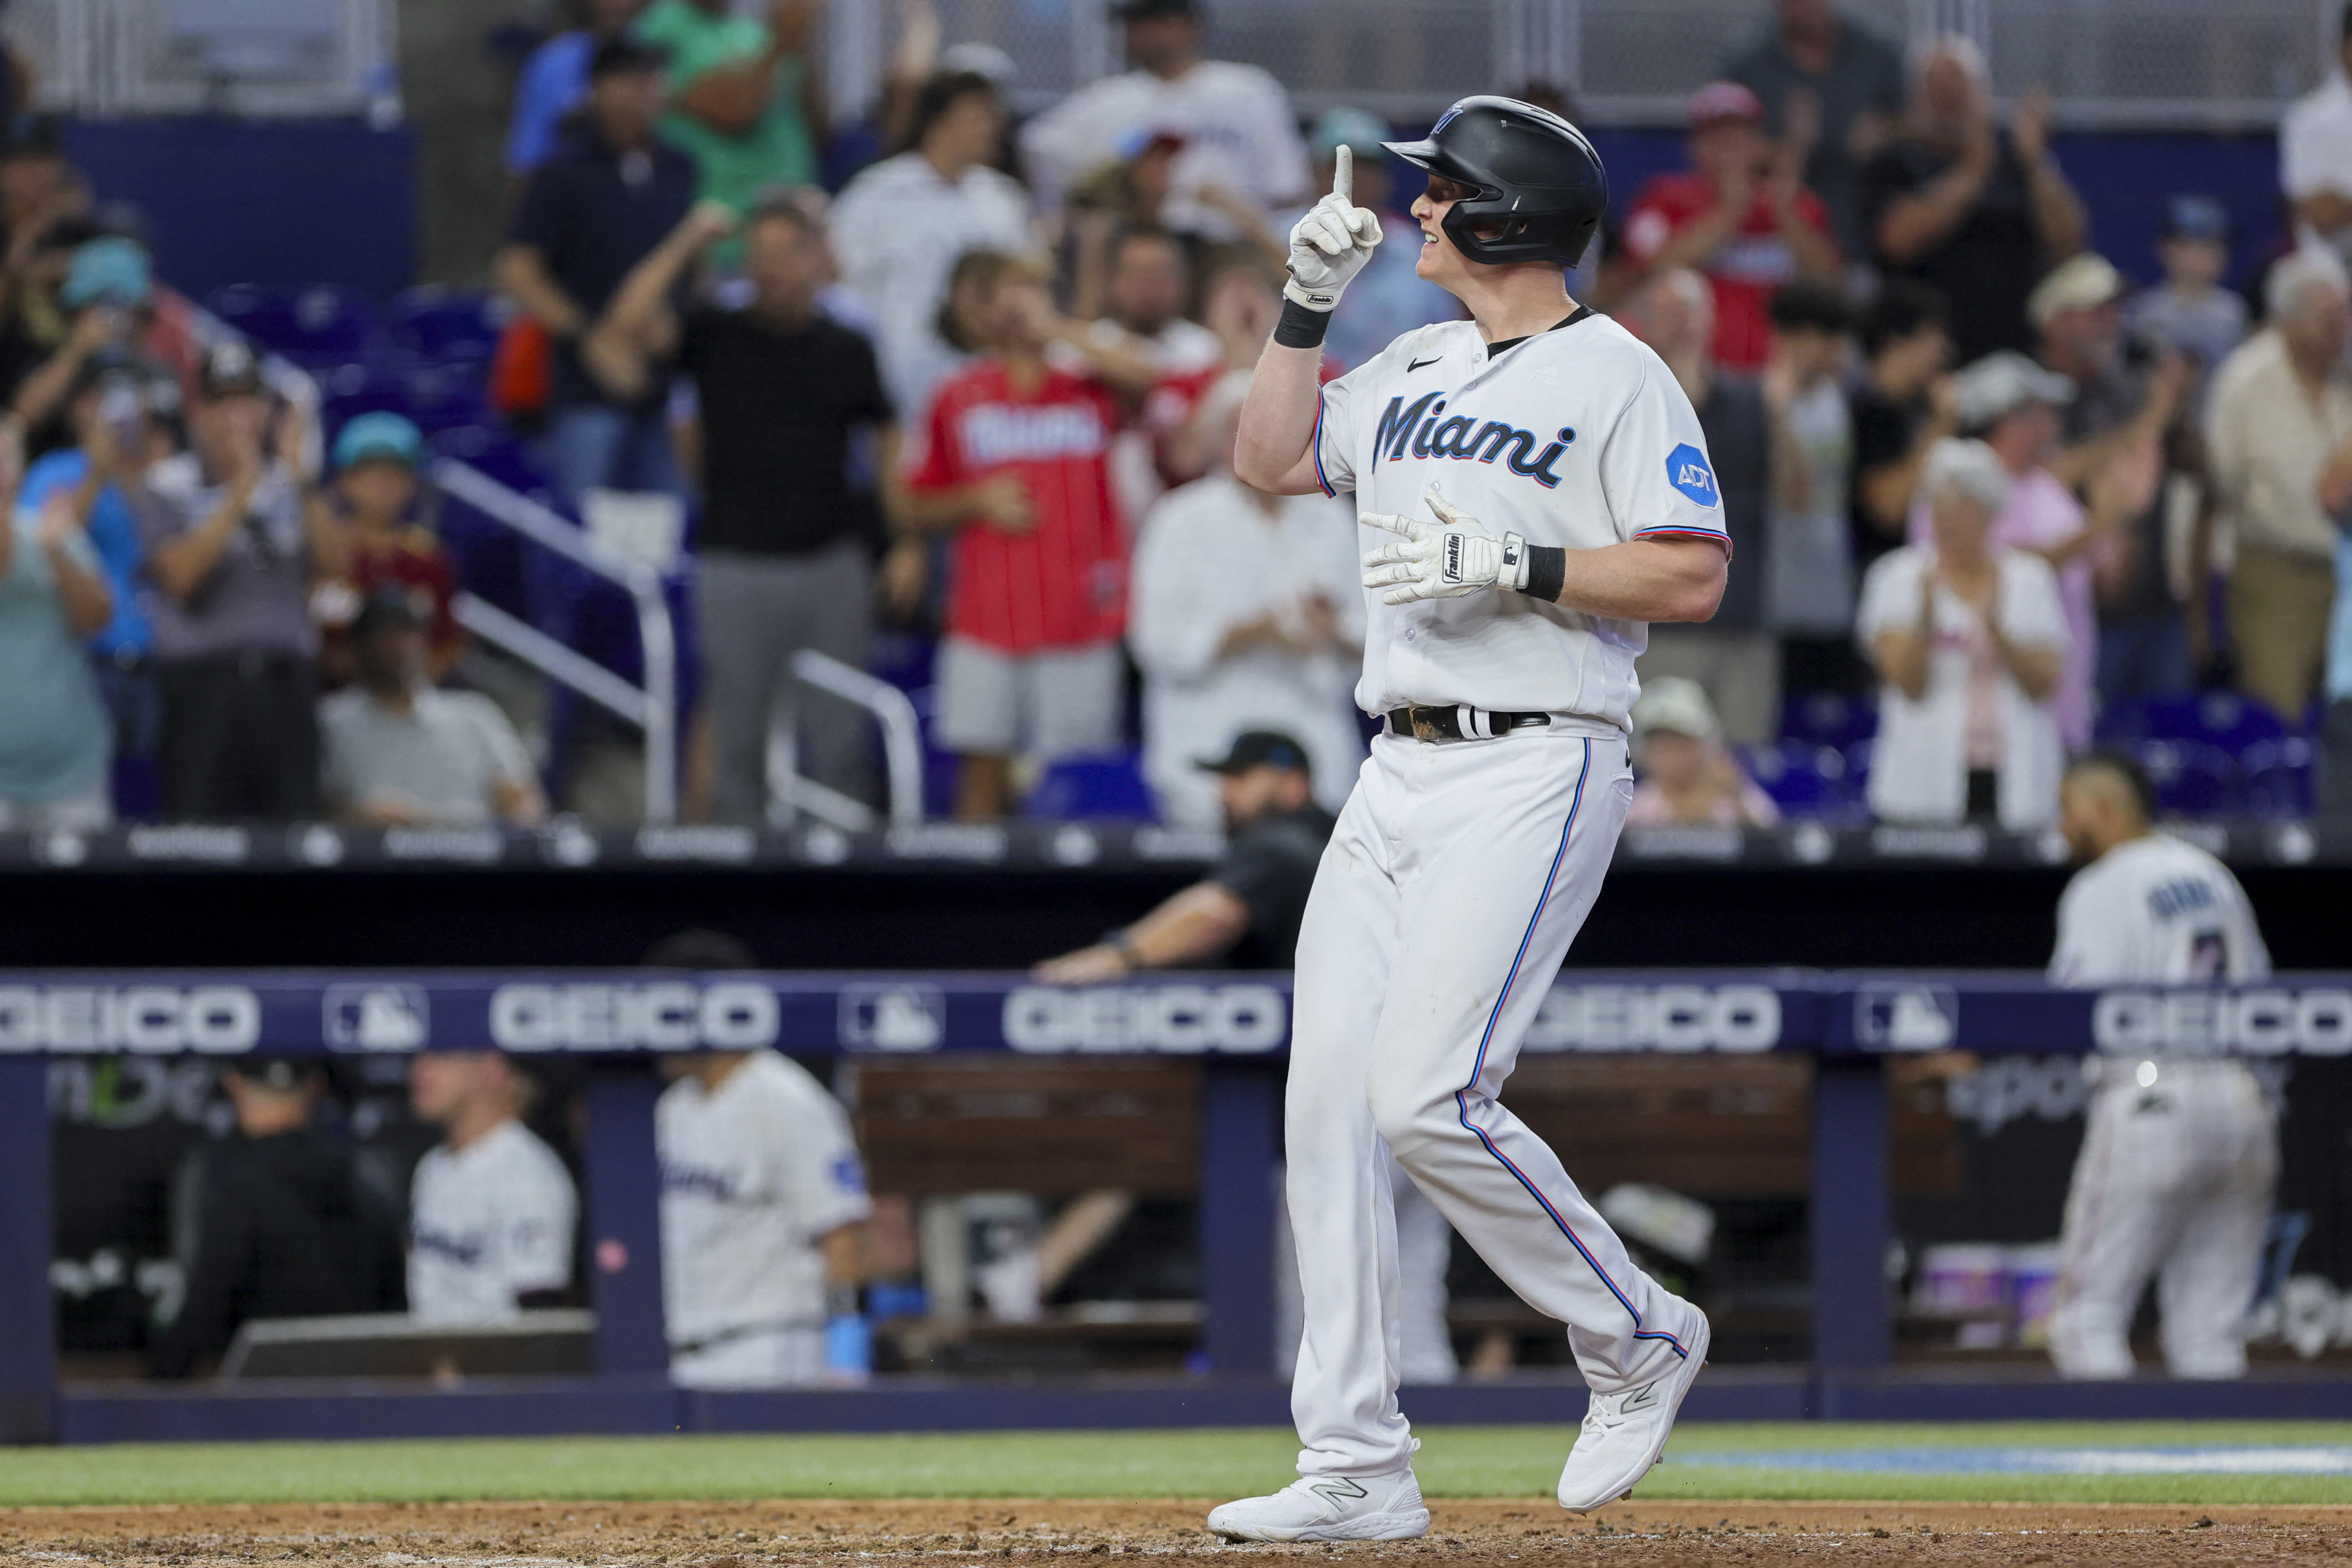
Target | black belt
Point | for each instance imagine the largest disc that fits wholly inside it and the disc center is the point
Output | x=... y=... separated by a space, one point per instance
x=1447 y=723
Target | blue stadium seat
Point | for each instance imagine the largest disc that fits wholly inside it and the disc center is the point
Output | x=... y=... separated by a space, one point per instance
x=1803 y=780
x=1828 y=719
x=316 y=325
x=2223 y=719
x=447 y=324
x=1111 y=785
x=2192 y=778
x=436 y=396
x=2278 y=777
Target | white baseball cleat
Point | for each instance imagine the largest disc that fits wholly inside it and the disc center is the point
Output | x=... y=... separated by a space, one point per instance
x=1624 y=1433
x=1330 y=1507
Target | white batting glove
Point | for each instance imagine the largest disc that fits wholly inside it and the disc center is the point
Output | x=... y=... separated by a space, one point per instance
x=1434 y=562
x=1333 y=242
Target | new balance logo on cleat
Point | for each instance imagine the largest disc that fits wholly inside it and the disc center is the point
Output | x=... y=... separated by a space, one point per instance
x=1340 y=1489
x=1641 y=1398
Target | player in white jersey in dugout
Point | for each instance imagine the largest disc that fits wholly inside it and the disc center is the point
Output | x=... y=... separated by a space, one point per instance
x=1533 y=489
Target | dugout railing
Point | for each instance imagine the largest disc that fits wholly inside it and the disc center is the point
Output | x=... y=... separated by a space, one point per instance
x=1234 y=1024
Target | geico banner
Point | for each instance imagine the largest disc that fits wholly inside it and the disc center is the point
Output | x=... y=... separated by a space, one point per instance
x=1669 y=1017
x=134 y=1018
x=2269 y=1020
x=1178 y=1019
x=664 y=1016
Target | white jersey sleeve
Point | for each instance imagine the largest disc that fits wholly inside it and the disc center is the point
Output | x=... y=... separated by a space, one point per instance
x=542 y=1211
x=1654 y=467
x=819 y=1173
x=1334 y=426
x=2156 y=911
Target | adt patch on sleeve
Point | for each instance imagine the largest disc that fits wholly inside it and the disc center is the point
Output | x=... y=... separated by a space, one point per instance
x=1686 y=470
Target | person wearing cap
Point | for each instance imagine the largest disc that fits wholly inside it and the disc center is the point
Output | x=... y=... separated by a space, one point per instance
x=2281 y=408
x=900 y=224
x=284 y=1228
x=1239 y=132
x=1244 y=914
x=1685 y=777
x=491 y=1210
x=744 y=103
x=375 y=461
x=2017 y=409
x=2190 y=313
x=234 y=537
x=104 y=294
x=553 y=80
x=1740 y=215
x=1826 y=80
x=1970 y=639
x=1957 y=202
x=597 y=207
x=2076 y=312
x=2315 y=153
x=401 y=753
x=1245 y=614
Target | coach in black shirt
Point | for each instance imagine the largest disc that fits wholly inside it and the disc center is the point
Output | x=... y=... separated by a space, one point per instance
x=1244 y=914
x=792 y=489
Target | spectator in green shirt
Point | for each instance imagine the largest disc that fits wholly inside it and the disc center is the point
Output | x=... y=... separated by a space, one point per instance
x=742 y=95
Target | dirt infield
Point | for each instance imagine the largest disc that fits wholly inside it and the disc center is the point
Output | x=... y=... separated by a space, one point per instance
x=742 y=1535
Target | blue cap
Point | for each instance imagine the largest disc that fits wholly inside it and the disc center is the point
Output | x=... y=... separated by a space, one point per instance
x=109 y=269
x=378 y=435
x=2190 y=217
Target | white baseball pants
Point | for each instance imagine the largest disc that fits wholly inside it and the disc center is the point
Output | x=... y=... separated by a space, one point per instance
x=2175 y=1180
x=1442 y=910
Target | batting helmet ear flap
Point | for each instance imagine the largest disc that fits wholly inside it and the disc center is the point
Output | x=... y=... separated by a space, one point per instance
x=1536 y=176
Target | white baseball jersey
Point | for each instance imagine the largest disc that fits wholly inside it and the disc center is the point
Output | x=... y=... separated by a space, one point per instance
x=1579 y=437
x=488 y=1224
x=2156 y=910
x=754 y=1175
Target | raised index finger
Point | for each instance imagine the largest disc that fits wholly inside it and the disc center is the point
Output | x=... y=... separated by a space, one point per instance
x=1343 y=174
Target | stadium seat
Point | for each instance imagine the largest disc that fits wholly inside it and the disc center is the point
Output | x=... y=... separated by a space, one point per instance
x=1828 y=719
x=1111 y=785
x=2191 y=778
x=1803 y=780
x=436 y=396
x=2223 y=719
x=2278 y=777
x=316 y=325
x=447 y=324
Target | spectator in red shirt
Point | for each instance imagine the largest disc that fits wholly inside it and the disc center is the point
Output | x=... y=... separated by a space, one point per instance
x=1015 y=466
x=375 y=483
x=1740 y=215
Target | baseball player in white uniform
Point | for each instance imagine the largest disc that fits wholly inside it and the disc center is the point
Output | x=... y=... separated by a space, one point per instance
x=491 y=1209
x=1533 y=489
x=2179 y=1154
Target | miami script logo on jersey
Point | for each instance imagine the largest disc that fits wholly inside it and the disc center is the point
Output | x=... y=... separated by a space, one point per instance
x=993 y=434
x=1687 y=471
x=1425 y=430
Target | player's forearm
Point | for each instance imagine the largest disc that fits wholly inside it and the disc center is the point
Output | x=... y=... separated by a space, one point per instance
x=1274 y=448
x=1200 y=923
x=1645 y=580
x=845 y=1247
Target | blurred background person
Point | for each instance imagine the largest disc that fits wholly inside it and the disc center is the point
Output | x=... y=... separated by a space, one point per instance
x=374 y=459
x=1015 y=466
x=56 y=739
x=1389 y=297
x=899 y=225
x=2315 y=153
x=1685 y=778
x=596 y=208
x=402 y=752
x=1976 y=212
x=1246 y=612
x=2180 y=1156
x=491 y=1210
x=1901 y=409
x=2280 y=404
x=1245 y=914
x=233 y=536
x=282 y=1226
x=555 y=78
x=764 y=1212
x=2190 y=311
x=1732 y=656
x=1970 y=640
x=1816 y=67
x=1740 y=217
x=744 y=103
x=1238 y=132
x=1809 y=591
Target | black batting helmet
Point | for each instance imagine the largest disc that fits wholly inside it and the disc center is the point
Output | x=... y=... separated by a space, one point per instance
x=1537 y=177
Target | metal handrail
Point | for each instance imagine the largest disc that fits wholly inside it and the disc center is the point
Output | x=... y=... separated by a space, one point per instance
x=902 y=734
x=550 y=529
x=557 y=661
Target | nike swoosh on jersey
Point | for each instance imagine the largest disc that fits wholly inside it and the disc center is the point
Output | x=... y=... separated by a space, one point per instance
x=1416 y=364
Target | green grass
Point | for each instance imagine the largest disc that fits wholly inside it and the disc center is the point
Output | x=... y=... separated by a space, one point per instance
x=1457 y=1461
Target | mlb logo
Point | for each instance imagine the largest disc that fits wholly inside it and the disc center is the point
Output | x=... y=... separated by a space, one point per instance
x=1688 y=471
x=379 y=1018
x=1906 y=1017
x=893 y=1017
